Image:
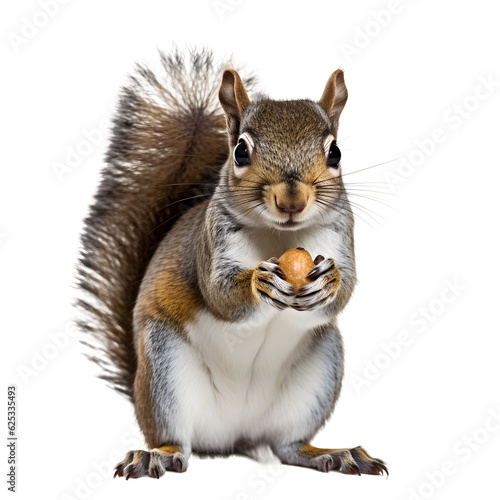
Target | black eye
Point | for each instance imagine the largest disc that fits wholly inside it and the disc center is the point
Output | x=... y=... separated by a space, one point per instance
x=333 y=159
x=240 y=154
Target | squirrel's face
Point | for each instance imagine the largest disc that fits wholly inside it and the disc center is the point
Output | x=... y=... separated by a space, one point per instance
x=285 y=164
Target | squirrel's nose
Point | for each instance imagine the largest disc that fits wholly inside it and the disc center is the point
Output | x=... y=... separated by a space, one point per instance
x=290 y=207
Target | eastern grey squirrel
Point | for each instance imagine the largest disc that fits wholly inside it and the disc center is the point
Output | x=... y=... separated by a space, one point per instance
x=188 y=310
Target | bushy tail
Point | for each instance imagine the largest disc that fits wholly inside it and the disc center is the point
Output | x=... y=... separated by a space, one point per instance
x=168 y=144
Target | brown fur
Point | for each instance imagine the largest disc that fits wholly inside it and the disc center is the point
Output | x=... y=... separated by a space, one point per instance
x=170 y=298
x=334 y=97
x=169 y=449
x=280 y=195
x=244 y=280
x=234 y=99
x=142 y=397
x=312 y=451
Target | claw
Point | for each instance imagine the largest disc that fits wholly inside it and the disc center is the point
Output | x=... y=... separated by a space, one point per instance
x=306 y=292
x=272 y=285
x=318 y=259
x=150 y=463
x=154 y=472
x=319 y=270
x=280 y=273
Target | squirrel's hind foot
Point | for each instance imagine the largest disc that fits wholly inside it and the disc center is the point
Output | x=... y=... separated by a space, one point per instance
x=152 y=463
x=346 y=461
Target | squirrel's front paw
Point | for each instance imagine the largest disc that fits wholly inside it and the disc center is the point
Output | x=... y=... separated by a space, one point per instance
x=269 y=285
x=322 y=290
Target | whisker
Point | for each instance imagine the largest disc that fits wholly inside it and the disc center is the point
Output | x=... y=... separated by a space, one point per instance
x=372 y=198
x=228 y=190
x=176 y=215
x=366 y=182
x=360 y=195
x=245 y=212
x=211 y=184
x=335 y=189
x=342 y=210
x=229 y=195
x=370 y=213
x=368 y=168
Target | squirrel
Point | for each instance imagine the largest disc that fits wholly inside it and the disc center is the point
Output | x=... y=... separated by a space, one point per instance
x=187 y=310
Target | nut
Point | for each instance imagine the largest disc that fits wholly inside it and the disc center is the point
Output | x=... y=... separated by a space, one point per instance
x=297 y=263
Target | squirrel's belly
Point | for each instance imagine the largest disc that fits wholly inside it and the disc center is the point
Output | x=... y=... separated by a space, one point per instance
x=255 y=380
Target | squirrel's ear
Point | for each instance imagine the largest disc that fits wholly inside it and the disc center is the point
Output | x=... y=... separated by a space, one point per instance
x=334 y=97
x=234 y=99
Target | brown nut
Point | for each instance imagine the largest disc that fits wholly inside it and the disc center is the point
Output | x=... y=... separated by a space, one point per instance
x=296 y=264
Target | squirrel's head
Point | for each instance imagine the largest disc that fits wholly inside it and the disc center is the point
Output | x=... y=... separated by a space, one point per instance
x=284 y=167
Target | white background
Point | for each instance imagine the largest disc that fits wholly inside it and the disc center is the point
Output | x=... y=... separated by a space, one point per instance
x=429 y=407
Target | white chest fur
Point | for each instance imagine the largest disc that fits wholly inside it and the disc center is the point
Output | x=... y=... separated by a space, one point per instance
x=256 y=245
x=238 y=380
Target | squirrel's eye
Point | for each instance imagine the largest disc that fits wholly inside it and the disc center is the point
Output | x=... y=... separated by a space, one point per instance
x=240 y=154
x=333 y=158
